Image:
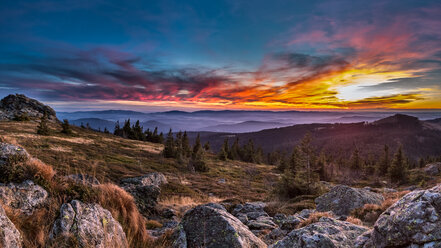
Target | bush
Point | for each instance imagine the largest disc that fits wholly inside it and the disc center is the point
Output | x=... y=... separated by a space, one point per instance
x=66 y=127
x=22 y=117
x=200 y=165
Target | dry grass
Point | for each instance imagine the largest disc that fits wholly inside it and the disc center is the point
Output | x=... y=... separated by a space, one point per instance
x=123 y=208
x=369 y=213
x=153 y=224
x=354 y=221
x=314 y=217
x=40 y=169
x=287 y=207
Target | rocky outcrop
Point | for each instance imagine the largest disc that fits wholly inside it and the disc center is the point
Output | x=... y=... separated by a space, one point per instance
x=433 y=169
x=413 y=221
x=326 y=233
x=90 y=224
x=254 y=216
x=211 y=226
x=12 y=152
x=25 y=197
x=10 y=237
x=341 y=200
x=145 y=190
x=13 y=106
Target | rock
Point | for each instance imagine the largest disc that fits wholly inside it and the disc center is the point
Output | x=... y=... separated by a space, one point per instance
x=9 y=151
x=26 y=196
x=145 y=190
x=211 y=226
x=154 y=178
x=168 y=213
x=413 y=221
x=325 y=233
x=341 y=200
x=274 y=236
x=261 y=223
x=433 y=169
x=389 y=190
x=90 y=224
x=16 y=105
x=10 y=237
x=84 y=179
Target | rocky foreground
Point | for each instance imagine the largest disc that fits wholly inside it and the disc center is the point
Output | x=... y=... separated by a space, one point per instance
x=412 y=221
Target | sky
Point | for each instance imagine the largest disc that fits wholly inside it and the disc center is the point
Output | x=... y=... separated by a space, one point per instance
x=230 y=54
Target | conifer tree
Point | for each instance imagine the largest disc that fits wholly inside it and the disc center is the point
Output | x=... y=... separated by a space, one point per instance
x=169 y=149
x=384 y=164
x=106 y=130
x=223 y=153
x=66 y=127
x=160 y=138
x=235 y=152
x=356 y=160
x=127 y=129
x=197 y=148
x=398 y=168
x=137 y=131
x=43 y=128
x=186 y=145
x=198 y=156
x=117 y=131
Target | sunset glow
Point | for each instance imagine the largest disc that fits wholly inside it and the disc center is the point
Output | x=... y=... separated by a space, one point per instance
x=318 y=55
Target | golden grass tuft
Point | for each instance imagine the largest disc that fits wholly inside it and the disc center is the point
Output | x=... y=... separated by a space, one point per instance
x=355 y=221
x=153 y=224
x=37 y=168
x=314 y=217
x=123 y=208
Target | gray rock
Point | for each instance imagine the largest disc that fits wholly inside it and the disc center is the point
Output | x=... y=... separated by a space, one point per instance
x=26 y=196
x=211 y=226
x=10 y=237
x=274 y=236
x=413 y=221
x=326 y=233
x=433 y=169
x=261 y=223
x=90 y=224
x=9 y=151
x=154 y=178
x=17 y=105
x=145 y=190
x=341 y=200
x=84 y=179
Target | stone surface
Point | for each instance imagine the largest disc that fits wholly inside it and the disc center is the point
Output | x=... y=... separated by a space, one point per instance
x=211 y=226
x=145 y=190
x=326 y=233
x=17 y=105
x=9 y=151
x=433 y=169
x=90 y=224
x=10 y=237
x=26 y=196
x=413 y=221
x=154 y=178
x=341 y=200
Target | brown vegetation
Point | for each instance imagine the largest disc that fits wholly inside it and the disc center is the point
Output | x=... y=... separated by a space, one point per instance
x=314 y=217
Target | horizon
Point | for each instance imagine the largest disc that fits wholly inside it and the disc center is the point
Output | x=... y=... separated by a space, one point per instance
x=226 y=55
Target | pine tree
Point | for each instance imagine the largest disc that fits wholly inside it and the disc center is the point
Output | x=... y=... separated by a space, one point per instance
x=161 y=138
x=127 y=129
x=169 y=149
x=197 y=148
x=198 y=156
x=66 y=127
x=306 y=178
x=223 y=153
x=186 y=145
x=398 y=168
x=384 y=164
x=235 y=152
x=42 y=128
x=137 y=131
x=117 y=131
x=207 y=146
x=82 y=125
x=179 y=152
x=356 y=160
x=106 y=130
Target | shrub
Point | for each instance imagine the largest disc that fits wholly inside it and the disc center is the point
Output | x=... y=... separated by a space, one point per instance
x=200 y=165
x=22 y=117
x=43 y=128
x=66 y=127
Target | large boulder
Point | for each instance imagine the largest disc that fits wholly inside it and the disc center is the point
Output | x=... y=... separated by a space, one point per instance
x=433 y=169
x=25 y=196
x=10 y=152
x=326 y=233
x=254 y=216
x=145 y=190
x=211 y=226
x=10 y=237
x=90 y=224
x=413 y=221
x=342 y=199
x=13 y=106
